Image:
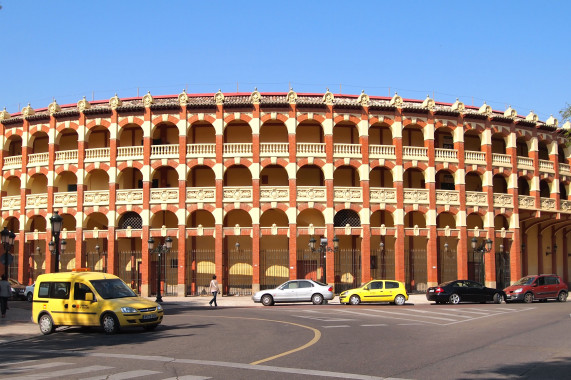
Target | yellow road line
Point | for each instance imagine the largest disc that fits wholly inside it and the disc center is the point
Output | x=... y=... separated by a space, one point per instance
x=316 y=337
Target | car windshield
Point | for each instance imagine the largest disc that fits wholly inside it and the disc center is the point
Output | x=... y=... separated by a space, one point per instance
x=14 y=282
x=525 y=281
x=320 y=283
x=112 y=288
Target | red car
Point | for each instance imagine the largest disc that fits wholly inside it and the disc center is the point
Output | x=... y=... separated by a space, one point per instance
x=537 y=287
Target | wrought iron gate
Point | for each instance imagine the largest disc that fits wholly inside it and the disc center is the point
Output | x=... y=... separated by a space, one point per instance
x=96 y=262
x=239 y=272
x=129 y=269
x=199 y=271
x=502 y=270
x=311 y=265
x=476 y=267
x=447 y=266
x=383 y=264
x=347 y=269
x=67 y=261
x=274 y=267
x=169 y=273
x=415 y=270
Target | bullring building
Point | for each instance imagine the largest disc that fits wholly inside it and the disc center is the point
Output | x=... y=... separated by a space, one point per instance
x=259 y=188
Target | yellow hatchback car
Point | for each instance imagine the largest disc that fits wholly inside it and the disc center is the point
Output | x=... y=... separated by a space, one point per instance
x=90 y=299
x=376 y=291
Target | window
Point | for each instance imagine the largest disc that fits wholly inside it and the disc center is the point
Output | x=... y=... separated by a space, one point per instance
x=44 y=290
x=80 y=290
x=174 y=263
x=391 y=285
x=60 y=290
x=540 y=281
x=376 y=285
x=305 y=284
x=551 y=280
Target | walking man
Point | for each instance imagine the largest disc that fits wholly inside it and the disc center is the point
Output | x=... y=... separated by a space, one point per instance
x=5 y=290
x=214 y=289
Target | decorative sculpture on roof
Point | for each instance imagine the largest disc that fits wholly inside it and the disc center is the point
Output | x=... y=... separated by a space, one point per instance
x=328 y=98
x=54 y=107
x=396 y=101
x=485 y=109
x=510 y=112
x=532 y=117
x=552 y=121
x=83 y=105
x=183 y=98
x=219 y=97
x=458 y=106
x=27 y=111
x=255 y=97
x=4 y=115
x=148 y=100
x=566 y=126
x=115 y=102
x=428 y=103
x=363 y=99
x=291 y=96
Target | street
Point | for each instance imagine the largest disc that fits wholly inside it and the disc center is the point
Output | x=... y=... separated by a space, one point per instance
x=295 y=341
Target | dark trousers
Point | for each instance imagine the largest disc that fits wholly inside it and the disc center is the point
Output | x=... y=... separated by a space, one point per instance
x=3 y=304
x=213 y=300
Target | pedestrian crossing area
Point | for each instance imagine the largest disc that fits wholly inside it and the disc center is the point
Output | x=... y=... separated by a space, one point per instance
x=36 y=370
x=391 y=316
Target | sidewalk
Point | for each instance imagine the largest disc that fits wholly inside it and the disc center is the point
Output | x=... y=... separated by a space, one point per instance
x=18 y=323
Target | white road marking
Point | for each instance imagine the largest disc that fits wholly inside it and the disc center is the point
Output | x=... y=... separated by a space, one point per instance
x=435 y=312
x=329 y=327
x=124 y=375
x=399 y=313
x=188 y=377
x=324 y=319
x=374 y=325
x=22 y=368
x=62 y=373
x=388 y=316
x=411 y=324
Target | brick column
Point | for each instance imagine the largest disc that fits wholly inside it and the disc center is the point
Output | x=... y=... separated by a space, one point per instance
x=112 y=243
x=220 y=258
x=80 y=251
x=23 y=261
x=330 y=206
x=399 y=186
x=291 y=125
x=365 y=188
x=489 y=259
x=432 y=247
x=50 y=259
x=181 y=241
x=256 y=198
x=462 y=243
x=146 y=256
x=515 y=247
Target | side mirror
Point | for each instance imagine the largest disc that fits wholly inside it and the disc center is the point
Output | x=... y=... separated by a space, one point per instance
x=366 y=287
x=89 y=297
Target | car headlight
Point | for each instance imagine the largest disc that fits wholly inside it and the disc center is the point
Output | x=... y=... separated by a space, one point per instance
x=159 y=307
x=518 y=290
x=128 y=309
x=343 y=294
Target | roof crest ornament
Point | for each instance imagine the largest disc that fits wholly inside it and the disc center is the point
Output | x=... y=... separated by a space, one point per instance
x=291 y=96
x=54 y=107
x=83 y=105
x=510 y=112
x=532 y=117
x=328 y=98
x=552 y=121
x=396 y=101
x=148 y=99
x=219 y=98
x=458 y=106
x=363 y=99
x=183 y=98
x=428 y=103
x=485 y=109
x=567 y=126
x=27 y=111
x=115 y=102
x=4 y=115
x=255 y=96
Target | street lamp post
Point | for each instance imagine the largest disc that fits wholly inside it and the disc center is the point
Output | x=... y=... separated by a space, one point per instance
x=483 y=248
x=161 y=248
x=323 y=249
x=8 y=243
x=56 y=221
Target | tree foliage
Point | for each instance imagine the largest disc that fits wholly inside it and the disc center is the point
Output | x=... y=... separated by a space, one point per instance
x=566 y=116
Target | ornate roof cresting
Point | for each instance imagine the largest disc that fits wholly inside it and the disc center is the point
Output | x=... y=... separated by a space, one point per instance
x=183 y=98
x=510 y=112
x=291 y=96
x=148 y=99
x=328 y=98
x=54 y=107
x=27 y=111
x=458 y=106
x=115 y=102
x=428 y=103
x=485 y=109
x=363 y=99
x=567 y=125
x=396 y=101
x=552 y=121
x=532 y=117
x=4 y=115
x=83 y=105
x=219 y=98
x=255 y=97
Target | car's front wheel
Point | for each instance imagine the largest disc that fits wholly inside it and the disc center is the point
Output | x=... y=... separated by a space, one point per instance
x=30 y=297
x=267 y=300
x=400 y=300
x=317 y=299
x=46 y=324
x=354 y=300
x=110 y=324
x=498 y=298
x=562 y=297
x=454 y=299
x=528 y=298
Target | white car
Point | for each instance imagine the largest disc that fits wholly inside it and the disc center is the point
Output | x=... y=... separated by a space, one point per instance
x=29 y=292
x=296 y=291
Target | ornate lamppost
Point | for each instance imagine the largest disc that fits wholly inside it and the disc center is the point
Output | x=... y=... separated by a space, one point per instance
x=56 y=222
x=323 y=249
x=161 y=248
x=482 y=249
x=8 y=243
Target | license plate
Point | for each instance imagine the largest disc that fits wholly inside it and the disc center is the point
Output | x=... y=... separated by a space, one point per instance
x=431 y=291
x=149 y=316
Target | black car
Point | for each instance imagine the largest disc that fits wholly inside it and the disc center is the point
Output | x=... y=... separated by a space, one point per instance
x=458 y=291
x=17 y=289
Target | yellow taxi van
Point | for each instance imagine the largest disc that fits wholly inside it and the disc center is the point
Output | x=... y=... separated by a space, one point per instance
x=81 y=298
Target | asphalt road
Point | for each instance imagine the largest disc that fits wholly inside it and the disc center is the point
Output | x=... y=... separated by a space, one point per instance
x=306 y=341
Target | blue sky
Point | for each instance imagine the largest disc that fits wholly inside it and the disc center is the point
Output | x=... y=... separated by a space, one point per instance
x=514 y=53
